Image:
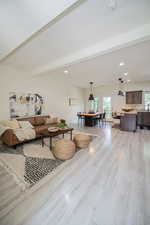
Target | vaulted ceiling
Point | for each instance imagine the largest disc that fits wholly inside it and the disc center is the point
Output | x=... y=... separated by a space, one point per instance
x=89 y=39
x=21 y=20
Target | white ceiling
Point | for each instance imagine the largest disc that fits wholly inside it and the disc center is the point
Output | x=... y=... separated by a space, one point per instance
x=104 y=70
x=89 y=31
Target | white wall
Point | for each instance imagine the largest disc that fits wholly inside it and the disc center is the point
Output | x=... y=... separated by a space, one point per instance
x=55 y=90
x=118 y=102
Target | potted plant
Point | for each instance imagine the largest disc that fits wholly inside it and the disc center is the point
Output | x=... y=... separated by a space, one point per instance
x=62 y=124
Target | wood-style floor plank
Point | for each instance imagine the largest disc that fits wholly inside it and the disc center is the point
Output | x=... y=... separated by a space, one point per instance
x=107 y=184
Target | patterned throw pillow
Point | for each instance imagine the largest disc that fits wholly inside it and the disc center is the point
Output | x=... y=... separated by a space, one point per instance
x=25 y=124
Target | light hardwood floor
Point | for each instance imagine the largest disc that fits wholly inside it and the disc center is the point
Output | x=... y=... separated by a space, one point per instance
x=109 y=184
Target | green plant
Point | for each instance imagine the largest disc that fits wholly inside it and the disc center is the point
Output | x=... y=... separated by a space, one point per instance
x=62 y=124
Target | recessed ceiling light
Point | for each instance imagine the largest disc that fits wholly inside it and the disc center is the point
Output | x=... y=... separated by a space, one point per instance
x=128 y=80
x=66 y=71
x=126 y=73
x=112 y=4
x=122 y=64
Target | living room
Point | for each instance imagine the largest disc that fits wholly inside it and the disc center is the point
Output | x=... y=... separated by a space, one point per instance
x=74 y=118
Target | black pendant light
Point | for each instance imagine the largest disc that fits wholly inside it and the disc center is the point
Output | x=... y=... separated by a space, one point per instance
x=120 y=92
x=91 y=96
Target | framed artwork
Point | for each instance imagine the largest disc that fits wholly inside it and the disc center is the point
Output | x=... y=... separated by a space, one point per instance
x=24 y=105
x=73 y=101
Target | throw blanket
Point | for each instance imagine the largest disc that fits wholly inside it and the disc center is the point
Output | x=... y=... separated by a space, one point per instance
x=24 y=134
x=21 y=134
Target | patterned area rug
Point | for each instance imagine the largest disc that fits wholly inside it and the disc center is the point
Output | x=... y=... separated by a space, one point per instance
x=36 y=168
x=30 y=162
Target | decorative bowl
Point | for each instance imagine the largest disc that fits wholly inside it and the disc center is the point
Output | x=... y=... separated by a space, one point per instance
x=127 y=110
x=53 y=129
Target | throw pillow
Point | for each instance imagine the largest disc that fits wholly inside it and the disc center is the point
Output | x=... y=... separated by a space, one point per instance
x=51 y=120
x=25 y=124
x=10 y=123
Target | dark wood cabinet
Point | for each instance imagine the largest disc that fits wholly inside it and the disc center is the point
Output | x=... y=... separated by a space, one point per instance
x=143 y=119
x=134 y=97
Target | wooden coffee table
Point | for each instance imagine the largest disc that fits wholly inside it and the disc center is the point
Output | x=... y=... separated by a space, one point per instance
x=52 y=134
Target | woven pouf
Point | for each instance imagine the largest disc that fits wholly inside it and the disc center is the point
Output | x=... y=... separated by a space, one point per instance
x=82 y=140
x=64 y=149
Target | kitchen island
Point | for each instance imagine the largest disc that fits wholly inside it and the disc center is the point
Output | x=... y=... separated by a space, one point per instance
x=129 y=121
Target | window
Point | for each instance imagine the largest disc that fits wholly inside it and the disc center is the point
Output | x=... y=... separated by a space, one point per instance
x=147 y=101
x=96 y=102
x=107 y=107
x=94 y=105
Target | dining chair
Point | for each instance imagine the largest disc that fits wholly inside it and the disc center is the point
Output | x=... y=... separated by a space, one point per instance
x=98 y=118
x=104 y=117
x=80 y=118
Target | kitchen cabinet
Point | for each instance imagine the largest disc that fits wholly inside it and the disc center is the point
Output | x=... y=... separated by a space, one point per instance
x=134 y=97
x=143 y=119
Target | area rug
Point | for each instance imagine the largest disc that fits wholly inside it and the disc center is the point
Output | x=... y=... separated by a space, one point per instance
x=31 y=162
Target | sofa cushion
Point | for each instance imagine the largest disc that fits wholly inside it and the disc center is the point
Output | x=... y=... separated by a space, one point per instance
x=40 y=120
x=35 y=120
x=10 y=123
x=51 y=120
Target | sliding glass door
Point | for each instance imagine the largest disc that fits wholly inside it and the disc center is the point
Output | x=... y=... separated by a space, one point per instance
x=107 y=107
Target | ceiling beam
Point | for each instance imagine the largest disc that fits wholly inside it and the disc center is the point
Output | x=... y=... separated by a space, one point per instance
x=48 y=11
x=124 y=40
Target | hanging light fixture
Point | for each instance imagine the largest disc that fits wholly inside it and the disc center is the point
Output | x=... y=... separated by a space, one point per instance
x=120 y=92
x=91 y=96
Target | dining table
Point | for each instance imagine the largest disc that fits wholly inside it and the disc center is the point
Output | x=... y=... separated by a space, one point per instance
x=90 y=118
